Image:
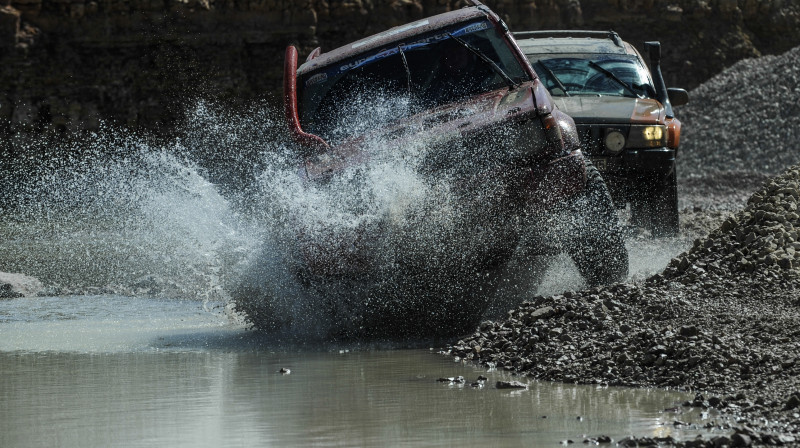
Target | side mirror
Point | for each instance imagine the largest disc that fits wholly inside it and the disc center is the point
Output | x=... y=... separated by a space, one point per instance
x=678 y=97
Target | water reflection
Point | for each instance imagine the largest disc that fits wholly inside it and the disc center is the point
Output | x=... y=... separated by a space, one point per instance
x=239 y=398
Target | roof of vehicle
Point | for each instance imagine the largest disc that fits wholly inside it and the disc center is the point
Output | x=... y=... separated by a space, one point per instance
x=573 y=42
x=393 y=35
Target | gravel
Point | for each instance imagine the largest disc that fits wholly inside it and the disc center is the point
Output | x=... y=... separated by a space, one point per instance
x=745 y=119
x=721 y=319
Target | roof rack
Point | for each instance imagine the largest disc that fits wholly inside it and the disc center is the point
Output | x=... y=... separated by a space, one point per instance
x=572 y=33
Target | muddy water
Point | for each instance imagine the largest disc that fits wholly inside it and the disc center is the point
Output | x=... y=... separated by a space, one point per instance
x=99 y=371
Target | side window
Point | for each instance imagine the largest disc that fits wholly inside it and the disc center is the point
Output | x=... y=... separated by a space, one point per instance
x=493 y=45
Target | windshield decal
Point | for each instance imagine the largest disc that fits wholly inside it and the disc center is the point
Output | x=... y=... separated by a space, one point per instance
x=469 y=29
x=317 y=79
x=363 y=61
x=480 y=26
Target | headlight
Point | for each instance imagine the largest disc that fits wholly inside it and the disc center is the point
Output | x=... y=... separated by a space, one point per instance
x=322 y=165
x=647 y=136
x=614 y=141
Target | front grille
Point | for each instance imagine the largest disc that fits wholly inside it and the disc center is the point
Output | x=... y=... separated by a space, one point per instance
x=591 y=138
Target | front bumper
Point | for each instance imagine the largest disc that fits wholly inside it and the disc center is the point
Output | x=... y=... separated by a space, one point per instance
x=634 y=162
x=625 y=174
x=649 y=160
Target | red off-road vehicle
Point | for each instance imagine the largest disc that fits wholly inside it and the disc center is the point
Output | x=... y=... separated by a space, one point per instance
x=496 y=172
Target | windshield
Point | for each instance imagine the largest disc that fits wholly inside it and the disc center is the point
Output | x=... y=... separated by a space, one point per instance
x=426 y=71
x=574 y=76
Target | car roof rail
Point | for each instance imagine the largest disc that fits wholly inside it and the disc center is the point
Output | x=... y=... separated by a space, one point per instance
x=571 y=33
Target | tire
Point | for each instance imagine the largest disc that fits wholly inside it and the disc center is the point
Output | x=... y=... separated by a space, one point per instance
x=656 y=207
x=665 y=221
x=517 y=281
x=597 y=246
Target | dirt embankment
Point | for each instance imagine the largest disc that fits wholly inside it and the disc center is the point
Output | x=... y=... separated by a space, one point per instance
x=722 y=318
x=67 y=65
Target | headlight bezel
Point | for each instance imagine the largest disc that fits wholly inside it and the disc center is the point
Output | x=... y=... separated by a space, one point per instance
x=647 y=136
x=614 y=141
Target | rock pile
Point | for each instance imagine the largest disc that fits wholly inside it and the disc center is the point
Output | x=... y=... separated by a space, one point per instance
x=744 y=119
x=762 y=239
x=721 y=319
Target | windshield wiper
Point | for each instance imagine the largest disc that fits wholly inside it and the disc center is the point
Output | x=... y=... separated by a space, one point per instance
x=496 y=68
x=553 y=75
x=405 y=65
x=613 y=77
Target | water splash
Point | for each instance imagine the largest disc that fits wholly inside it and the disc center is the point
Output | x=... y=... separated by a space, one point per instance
x=219 y=213
x=211 y=211
x=115 y=211
x=344 y=254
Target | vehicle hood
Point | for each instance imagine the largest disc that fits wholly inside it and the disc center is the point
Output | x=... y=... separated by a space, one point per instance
x=611 y=109
x=457 y=120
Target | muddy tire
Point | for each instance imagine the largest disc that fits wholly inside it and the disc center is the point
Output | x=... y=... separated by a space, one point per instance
x=517 y=281
x=596 y=245
x=656 y=209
